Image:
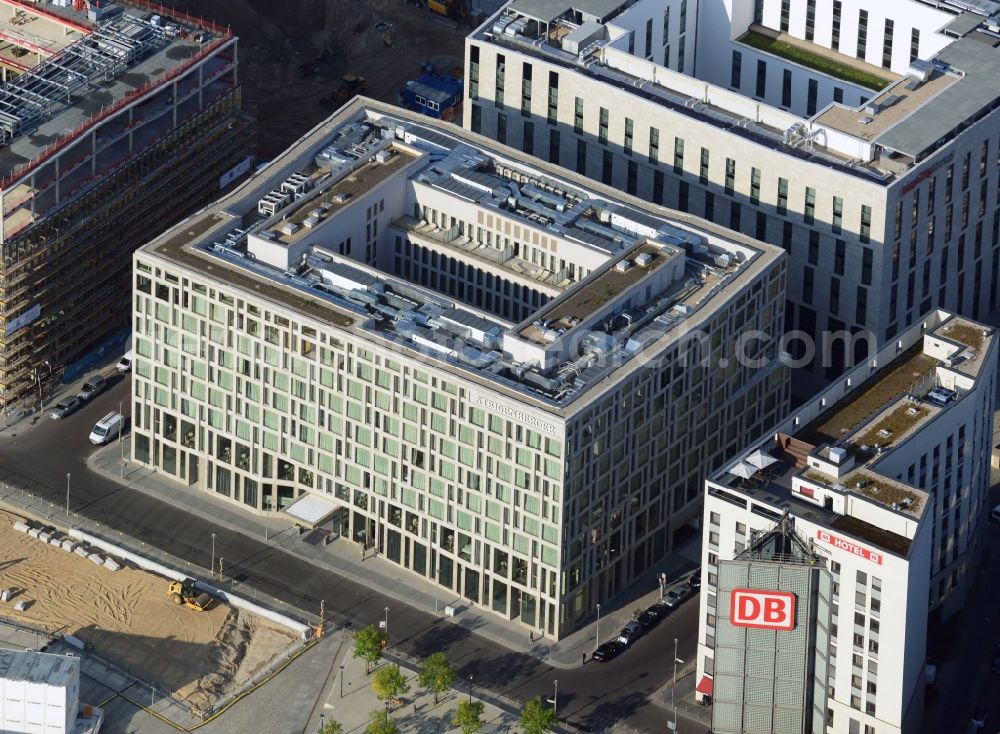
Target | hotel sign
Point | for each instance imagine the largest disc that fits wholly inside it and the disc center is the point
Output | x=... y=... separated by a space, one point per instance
x=507 y=411
x=849 y=546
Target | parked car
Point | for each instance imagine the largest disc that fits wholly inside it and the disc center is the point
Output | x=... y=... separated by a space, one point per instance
x=654 y=615
x=92 y=387
x=64 y=407
x=694 y=581
x=109 y=427
x=631 y=632
x=980 y=716
x=608 y=651
x=125 y=363
x=995 y=666
x=677 y=595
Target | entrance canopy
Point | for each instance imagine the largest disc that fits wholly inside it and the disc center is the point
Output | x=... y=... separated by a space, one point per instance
x=312 y=510
x=705 y=686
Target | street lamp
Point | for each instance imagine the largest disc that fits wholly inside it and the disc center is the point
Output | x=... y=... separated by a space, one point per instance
x=470 y=687
x=386 y=626
x=555 y=698
x=322 y=721
x=67 y=494
x=213 y=555
x=341 y=681
x=598 y=627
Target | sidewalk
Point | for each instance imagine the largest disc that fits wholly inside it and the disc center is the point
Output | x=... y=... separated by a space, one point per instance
x=342 y=557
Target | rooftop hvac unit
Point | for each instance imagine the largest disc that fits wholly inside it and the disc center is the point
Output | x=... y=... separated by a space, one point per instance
x=289 y=228
x=384 y=156
x=838 y=455
x=643 y=259
x=724 y=260
x=919 y=71
x=622 y=265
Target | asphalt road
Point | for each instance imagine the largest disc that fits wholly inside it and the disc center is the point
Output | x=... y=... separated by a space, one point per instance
x=593 y=697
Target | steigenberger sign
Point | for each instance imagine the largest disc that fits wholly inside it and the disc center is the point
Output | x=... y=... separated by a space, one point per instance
x=495 y=407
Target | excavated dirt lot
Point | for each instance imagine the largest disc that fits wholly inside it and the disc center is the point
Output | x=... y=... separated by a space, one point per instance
x=127 y=618
x=293 y=53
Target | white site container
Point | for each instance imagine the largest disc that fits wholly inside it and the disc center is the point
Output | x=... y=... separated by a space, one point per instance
x=39 y=692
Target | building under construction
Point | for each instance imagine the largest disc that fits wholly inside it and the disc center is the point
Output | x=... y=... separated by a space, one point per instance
x=115 y=120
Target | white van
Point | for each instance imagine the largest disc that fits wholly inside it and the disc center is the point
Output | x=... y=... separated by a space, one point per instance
x=107 y=428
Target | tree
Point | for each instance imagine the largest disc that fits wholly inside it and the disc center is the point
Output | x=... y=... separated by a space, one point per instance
x=332 y=727
x=468 y=716
x=368 y=645
x=389 y=683
x=381 y=723
x=437 y=675
x=537 y=718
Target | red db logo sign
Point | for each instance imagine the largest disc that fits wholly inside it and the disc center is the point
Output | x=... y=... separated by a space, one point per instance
x=767 y=610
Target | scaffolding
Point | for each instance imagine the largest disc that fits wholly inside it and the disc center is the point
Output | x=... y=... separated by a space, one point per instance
x=40 y=92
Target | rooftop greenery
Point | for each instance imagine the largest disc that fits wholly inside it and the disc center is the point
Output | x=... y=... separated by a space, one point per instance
x=816 y=61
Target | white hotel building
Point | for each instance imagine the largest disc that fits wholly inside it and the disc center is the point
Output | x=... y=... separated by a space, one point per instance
x=421 y=340
x=882 y=485
x=860 y=136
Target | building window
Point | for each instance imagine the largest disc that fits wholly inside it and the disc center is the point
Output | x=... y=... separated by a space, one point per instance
x=761 y=78
x=807 y=284
x=786 y=88
x=684 y=17
x=525 y=89
x=602 y=130
x=835 y=40
x=553 y=146
x=867 y=256
x=809 y=213
x=813 y=254
x=553 y=97
x=810 y=19
x=501 y=65
x=730 y=176
x=578 y=116
x=782 y=196
x=786 y=9
x=861 y=310
x=629 y=132
x=649 y=39
x=866 y=223
x=666 y=27
x=811 y=93
x=755 y=185
x=838 y=95
x=838 y=214
x=607 y=167
x=835 y=295
x=680 y=53
x=678 y=155
x=477 y=118
x=632 y=181
x=862 y=34
x=473 y=72
x=501 y=128
x=887 y=44
x=703 y=169
x=581 y=157
x=736 y=71
x=654 y=145
x=528 y=139
x=914 y=45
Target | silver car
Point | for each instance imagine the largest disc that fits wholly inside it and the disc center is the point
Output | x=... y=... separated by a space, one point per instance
x=92 y=387
x=677 y=595
x=64 y=408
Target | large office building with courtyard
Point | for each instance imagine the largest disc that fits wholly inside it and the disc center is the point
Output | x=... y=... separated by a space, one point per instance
x=858 y=521
x=504 y=376
x=115 y=119
x=862 y=137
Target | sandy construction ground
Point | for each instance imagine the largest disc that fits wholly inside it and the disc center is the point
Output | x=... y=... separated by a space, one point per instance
x=127 y=618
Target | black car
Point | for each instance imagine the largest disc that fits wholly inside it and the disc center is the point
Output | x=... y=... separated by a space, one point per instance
x=995 y=667
x=694 y=582
x=631 y=632
x=608 y=651
x=654 y=614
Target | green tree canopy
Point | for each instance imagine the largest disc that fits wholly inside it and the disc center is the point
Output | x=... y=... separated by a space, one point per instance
x=537 y=718
x=381 y=723
x=436 y=674
x=468 y=716
x=389 y=683
x=368 y=645
x=332 y=727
